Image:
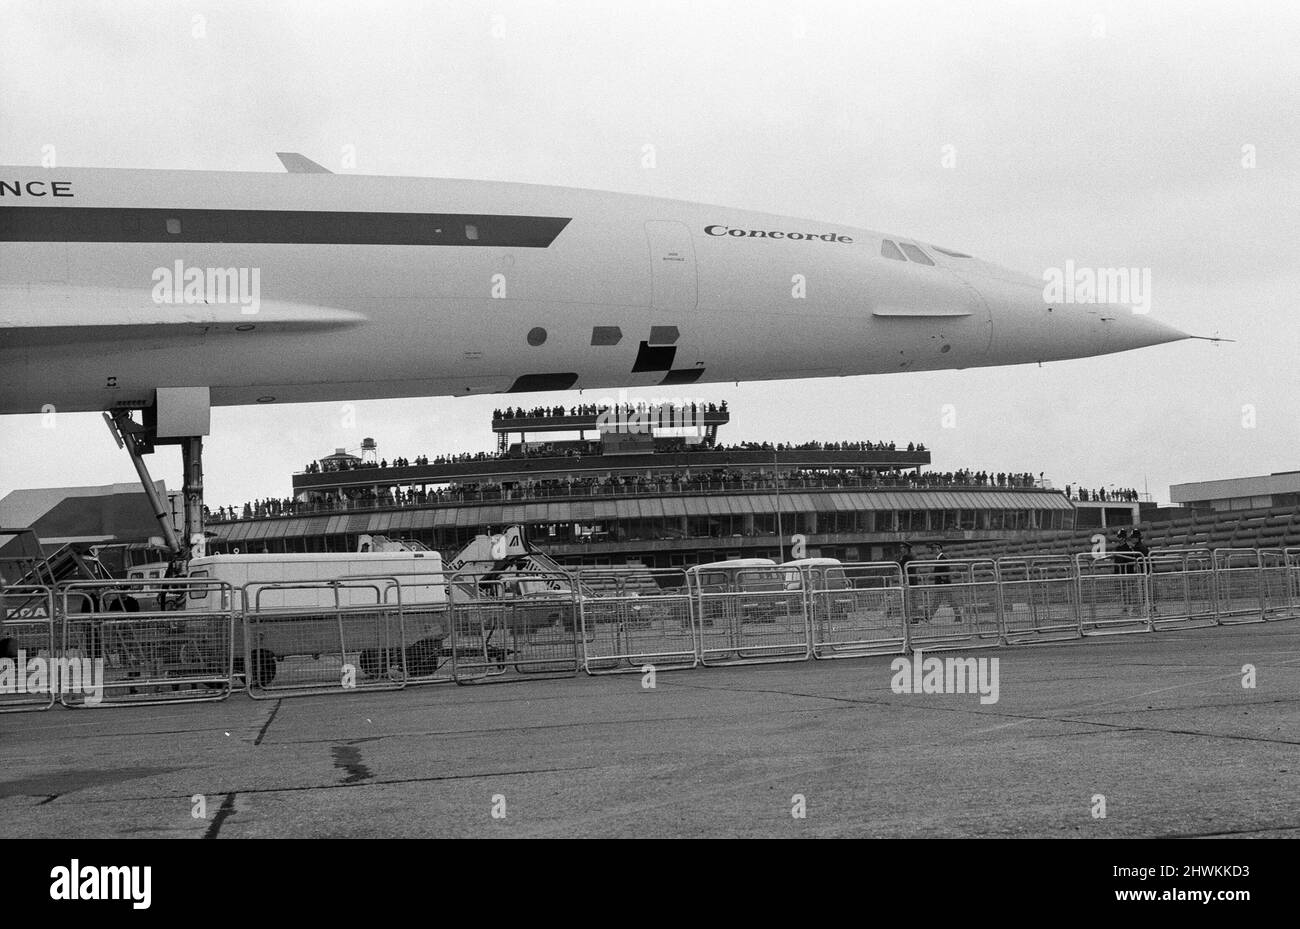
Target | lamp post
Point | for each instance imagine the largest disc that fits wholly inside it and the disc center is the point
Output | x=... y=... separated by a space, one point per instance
x=780 y=534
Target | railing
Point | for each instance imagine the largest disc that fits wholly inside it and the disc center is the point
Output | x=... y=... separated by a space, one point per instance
x=651 y=489
x=188 y=640
x=900 y=457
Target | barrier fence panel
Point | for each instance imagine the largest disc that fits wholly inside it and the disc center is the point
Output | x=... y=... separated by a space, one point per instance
x=27 y=639
x=632 y=617
x=749 y=616
x=1239 y=585
x=146 y=641
x=326 y=636
x=1292 y=558
x=1275 y=584
x=1040 y=599
x=953 y=603
x=508 y=625
x=855 y=609
x=1112 y=593
x=425 y=653
x=1180 y=587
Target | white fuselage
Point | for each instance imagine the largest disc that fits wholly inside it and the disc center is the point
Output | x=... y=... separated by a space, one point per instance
x=370 y=287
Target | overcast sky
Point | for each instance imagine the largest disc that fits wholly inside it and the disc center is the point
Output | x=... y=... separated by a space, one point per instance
x=1110 y=134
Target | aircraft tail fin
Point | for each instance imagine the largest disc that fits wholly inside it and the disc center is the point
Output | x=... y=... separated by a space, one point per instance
x=296 y=163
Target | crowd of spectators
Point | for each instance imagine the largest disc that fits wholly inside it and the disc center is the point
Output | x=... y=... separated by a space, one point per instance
x=1102 y=495
x=576 y=449
x=713 y=480
x=657 y=410
x=328 y=465
x=818 y=446
x=256 y=509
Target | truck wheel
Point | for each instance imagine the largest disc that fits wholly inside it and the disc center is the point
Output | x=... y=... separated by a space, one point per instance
x=263 y=667
x=369 y=661
x=422 y=657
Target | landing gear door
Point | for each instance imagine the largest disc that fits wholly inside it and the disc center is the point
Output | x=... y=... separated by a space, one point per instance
x=672 y=266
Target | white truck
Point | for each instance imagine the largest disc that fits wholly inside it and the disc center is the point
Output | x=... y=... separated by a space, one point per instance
x=286 y=595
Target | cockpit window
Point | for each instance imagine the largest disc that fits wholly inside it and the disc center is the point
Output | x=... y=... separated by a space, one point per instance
x=916 y=254
x=949 y=253
x=889 y=250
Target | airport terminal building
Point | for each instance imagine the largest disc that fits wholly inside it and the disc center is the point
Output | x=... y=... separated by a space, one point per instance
x=626 y=487
x=1280 y=489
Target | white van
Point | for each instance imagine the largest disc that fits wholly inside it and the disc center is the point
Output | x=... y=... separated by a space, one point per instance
x=758 y=576
x=723 y=576
x=287 y=620
x=823 y=574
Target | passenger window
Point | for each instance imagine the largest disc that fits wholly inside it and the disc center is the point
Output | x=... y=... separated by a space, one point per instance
x=889 y=250
x=917 y=255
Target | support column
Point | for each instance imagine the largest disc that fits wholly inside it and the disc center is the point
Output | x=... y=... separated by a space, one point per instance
x=128 y=435
x=192 y=465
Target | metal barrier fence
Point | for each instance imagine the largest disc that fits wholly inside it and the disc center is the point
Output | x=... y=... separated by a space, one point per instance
x=1040 y=599
x=1112 y=593
x=168 y=641
x=1275 y=584
x=634 y=617
x=27 y=639
x=507 y=625
x=135 y=642
x=328 y=636
x=856 y=609
x=1239 y=585
x=424 y=655
x=750 y=616
x=1292 y=558
x=1180 y=588
x=953 y=604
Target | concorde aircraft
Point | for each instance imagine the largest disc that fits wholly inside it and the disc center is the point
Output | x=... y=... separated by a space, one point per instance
x=307 y=286
x=170 y=291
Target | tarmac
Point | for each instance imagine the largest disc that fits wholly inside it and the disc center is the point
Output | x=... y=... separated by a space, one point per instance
x=1159 y=724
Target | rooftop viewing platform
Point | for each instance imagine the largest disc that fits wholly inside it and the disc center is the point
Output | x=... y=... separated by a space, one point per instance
x=675 y=484
x=589 y=416
x=343 y=471
x=621 y=428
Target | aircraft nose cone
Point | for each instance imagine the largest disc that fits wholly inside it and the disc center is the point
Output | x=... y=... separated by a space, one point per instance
x=1138 y=330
